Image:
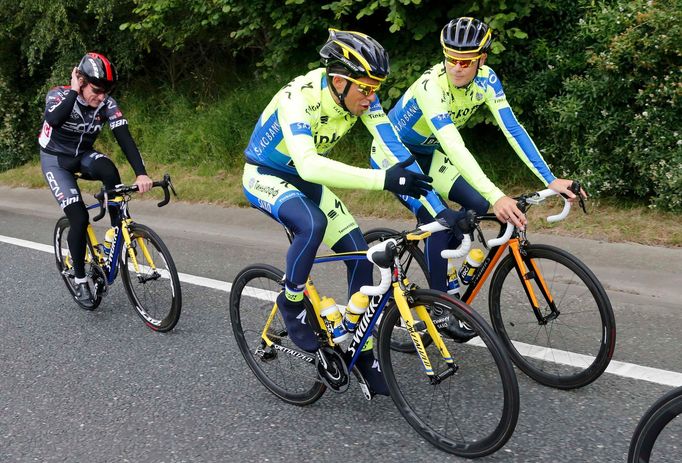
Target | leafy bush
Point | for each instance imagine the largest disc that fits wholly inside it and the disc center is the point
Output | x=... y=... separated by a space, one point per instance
x=615 y=123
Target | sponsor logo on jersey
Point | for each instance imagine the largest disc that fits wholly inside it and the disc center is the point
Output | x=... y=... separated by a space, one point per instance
x=54 y=186
x=312 y=108
x=118 y=123
x=325 y=139
x=267 y=138
x=268 y=190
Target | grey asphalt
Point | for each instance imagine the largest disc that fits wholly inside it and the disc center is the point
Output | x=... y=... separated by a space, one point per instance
x=100 y=386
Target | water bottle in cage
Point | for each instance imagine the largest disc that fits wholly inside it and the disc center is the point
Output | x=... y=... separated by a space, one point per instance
x=330 y=311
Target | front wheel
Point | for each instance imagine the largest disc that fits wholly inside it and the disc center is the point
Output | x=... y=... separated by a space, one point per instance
x=154 y=286
x=469 y=405
x=570 y=342
x=650 y=427
x=64 y=263
x=278 y=366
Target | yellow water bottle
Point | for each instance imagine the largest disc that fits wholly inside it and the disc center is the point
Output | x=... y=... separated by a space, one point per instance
x=109 y=238
x=453 y=283
x=330 y=311
x=473 y=261
x=356 y=307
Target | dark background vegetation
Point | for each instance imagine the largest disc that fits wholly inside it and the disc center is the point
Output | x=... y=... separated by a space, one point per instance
x=598 y=84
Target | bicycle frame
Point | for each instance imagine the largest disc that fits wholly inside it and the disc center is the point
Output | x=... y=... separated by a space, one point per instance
x=363 y=332
x=526 y=269
x=110 y=261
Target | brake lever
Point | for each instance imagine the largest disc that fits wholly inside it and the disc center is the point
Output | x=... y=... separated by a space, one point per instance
x=103 y=203
x=479 y=232
x=575 y=188
x=170 y=184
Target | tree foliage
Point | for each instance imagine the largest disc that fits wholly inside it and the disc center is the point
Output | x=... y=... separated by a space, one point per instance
x=596 y=82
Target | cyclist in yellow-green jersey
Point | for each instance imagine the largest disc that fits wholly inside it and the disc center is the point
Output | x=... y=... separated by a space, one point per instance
x=427 y=118
x=288 y=173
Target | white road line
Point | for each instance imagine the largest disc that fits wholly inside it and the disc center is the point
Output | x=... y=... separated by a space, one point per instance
x=622 y=369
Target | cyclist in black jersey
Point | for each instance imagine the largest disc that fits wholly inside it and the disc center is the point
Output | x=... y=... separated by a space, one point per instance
x=74 y=117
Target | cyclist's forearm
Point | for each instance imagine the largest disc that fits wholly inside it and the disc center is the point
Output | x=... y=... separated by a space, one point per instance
x=523 y=145
x=129 y=148
x=317 y=169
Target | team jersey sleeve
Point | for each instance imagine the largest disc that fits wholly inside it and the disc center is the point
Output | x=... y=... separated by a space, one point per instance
x=58 y=105
x=387 y=139
x=432 y=100
x=516 y=135
x=298 y=137
x=119 y=127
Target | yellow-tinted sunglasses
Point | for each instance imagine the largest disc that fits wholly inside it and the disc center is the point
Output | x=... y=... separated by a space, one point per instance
x=364 y=88
x=463 y=62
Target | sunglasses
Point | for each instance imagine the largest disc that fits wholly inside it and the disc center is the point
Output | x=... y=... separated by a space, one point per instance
x=364 y=88
x=463 y=62
x=98 y=91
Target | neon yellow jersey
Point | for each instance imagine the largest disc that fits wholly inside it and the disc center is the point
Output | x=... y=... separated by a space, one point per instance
x=432 y=110
x=302 y=123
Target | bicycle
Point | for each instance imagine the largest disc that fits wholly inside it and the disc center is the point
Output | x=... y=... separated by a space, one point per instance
x=149 y=275
x=652 y=423
x=543 y=302
x=463 y=399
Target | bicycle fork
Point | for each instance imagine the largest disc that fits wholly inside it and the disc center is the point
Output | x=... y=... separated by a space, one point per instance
x=128 y=240
x=422 y=313
x=528 y=271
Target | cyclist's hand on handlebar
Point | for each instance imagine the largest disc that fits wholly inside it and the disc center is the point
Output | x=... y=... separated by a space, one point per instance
x=506 y=211
x=401 y=181
x=563 y=186
x=144 y=183
x=451 y=219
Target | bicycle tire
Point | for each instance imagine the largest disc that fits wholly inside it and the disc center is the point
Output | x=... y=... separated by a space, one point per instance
x=482 y=395
x=419 y=274
x=252 y=298
x=652 y=423
x=155 y=294
x=585 y=321
x=62 y=254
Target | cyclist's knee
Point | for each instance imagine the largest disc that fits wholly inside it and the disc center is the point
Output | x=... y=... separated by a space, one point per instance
x=77 y=215
x=105 y=170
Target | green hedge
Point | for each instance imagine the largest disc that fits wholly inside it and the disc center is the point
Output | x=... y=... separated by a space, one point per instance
x=596 y=83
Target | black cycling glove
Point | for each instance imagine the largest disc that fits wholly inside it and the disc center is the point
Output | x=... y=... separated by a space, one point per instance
x=405 y=182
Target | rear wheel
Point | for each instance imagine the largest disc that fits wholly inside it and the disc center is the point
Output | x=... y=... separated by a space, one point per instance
x=568 y=348
x=154 y=289
x=64 y=263
x=279 y=369
x=470 y=406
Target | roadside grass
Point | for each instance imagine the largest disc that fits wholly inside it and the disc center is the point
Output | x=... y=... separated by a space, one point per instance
x=607 y=219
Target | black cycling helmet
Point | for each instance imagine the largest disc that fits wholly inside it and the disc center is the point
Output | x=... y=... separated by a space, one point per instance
x=359 y=54
x=466 y=35
x=98 y=70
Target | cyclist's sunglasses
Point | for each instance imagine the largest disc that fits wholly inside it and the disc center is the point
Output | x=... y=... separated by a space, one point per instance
x=463 y=62
x=364 y=88
x=98 y=90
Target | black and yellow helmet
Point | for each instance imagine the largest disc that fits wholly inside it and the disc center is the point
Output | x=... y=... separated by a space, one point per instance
x=359 y=54
x=466 y=35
